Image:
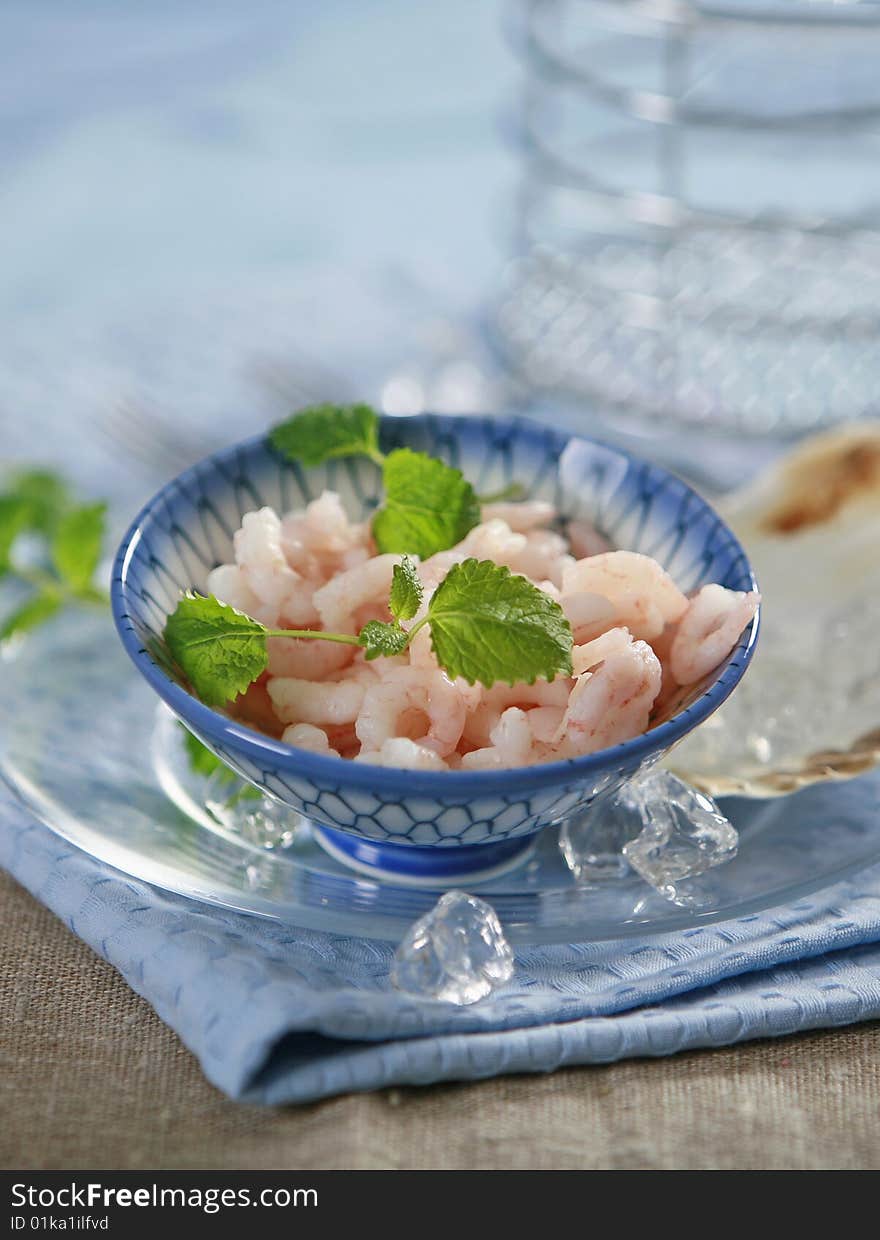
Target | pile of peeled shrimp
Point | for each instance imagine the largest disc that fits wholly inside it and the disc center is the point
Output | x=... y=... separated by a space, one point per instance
x=638 y=640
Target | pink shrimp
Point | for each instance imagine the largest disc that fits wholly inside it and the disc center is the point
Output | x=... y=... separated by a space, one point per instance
x=613 y=641
x=402 y=752
x=612 y=704
x=278 y=587
x=709 y=630
x=521 y=516
x=313 y=701
x=406 y=691
x=585 y=540
x=342 y=596
x=589 y=615
x=307 y=736
x=307 y=659
x=644 y=596
x=511 y=744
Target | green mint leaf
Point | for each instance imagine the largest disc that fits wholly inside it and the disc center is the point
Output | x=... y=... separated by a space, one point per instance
x=14 y=520
x=429 y=506
x=220 y=650
x=46 y=495
x=489 y=625
x=406 y=590
x=76 y=545
x=37 y=609
x=321 y=432
x=382 y=639
x=202 y=761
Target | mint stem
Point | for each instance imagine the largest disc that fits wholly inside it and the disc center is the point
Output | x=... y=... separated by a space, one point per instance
x=420 y=624
x=350 y=639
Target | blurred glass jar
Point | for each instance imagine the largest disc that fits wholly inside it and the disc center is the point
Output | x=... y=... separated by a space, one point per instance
x=699 y=216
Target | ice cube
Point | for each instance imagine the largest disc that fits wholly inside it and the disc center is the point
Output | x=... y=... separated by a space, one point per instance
x=592 y=843
x=685 y=834
x=457 y=952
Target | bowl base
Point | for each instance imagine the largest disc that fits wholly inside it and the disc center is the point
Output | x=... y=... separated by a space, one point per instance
x=409 y=865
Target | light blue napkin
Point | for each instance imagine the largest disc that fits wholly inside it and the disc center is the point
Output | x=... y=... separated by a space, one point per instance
x=277 y=1014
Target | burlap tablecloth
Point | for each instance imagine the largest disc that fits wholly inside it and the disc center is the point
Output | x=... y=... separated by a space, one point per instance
x=90 y=1078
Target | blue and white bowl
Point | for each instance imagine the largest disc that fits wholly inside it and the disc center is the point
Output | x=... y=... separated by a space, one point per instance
x=435 y=827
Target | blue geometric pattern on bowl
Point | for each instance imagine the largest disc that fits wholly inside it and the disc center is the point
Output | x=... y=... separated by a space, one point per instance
x=187 y=528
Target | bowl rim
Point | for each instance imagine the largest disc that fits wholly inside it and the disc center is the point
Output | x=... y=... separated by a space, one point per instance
x=229 y=734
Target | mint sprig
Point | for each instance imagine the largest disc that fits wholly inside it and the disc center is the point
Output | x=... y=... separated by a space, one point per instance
x=487 y=624
x=429 y=506
x=323 y=432
x=39 y=504
x=377 y=636
x=61 y=566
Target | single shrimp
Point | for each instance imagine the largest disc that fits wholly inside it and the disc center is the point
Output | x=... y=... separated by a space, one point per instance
x=368 y=673
x=709 y=630
x=353 y=557
x=382 y=707
x=229 y=584
x=583 y=658
x=478 y=725
x=521 y=516
x=402 y=752
x=549 y=588
x=589 y=615
x=585 y=540
x=317 y=702
x=493 y=540
x=544 y=722
x=541 y=693
x=511 y=744
x=341 y=597
x=545 y=556
x=446 y=707
x=307 y=736
x=318 y=540
x=642 y=591
x=297 y=611
x=437 y=699
x=259 y=555
x=419 y=650
x=307 y=659
x=327 y=527
x=434 y=569
x=611 y=704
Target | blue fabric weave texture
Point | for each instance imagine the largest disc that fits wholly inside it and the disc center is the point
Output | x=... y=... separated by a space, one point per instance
x=277 y=1014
